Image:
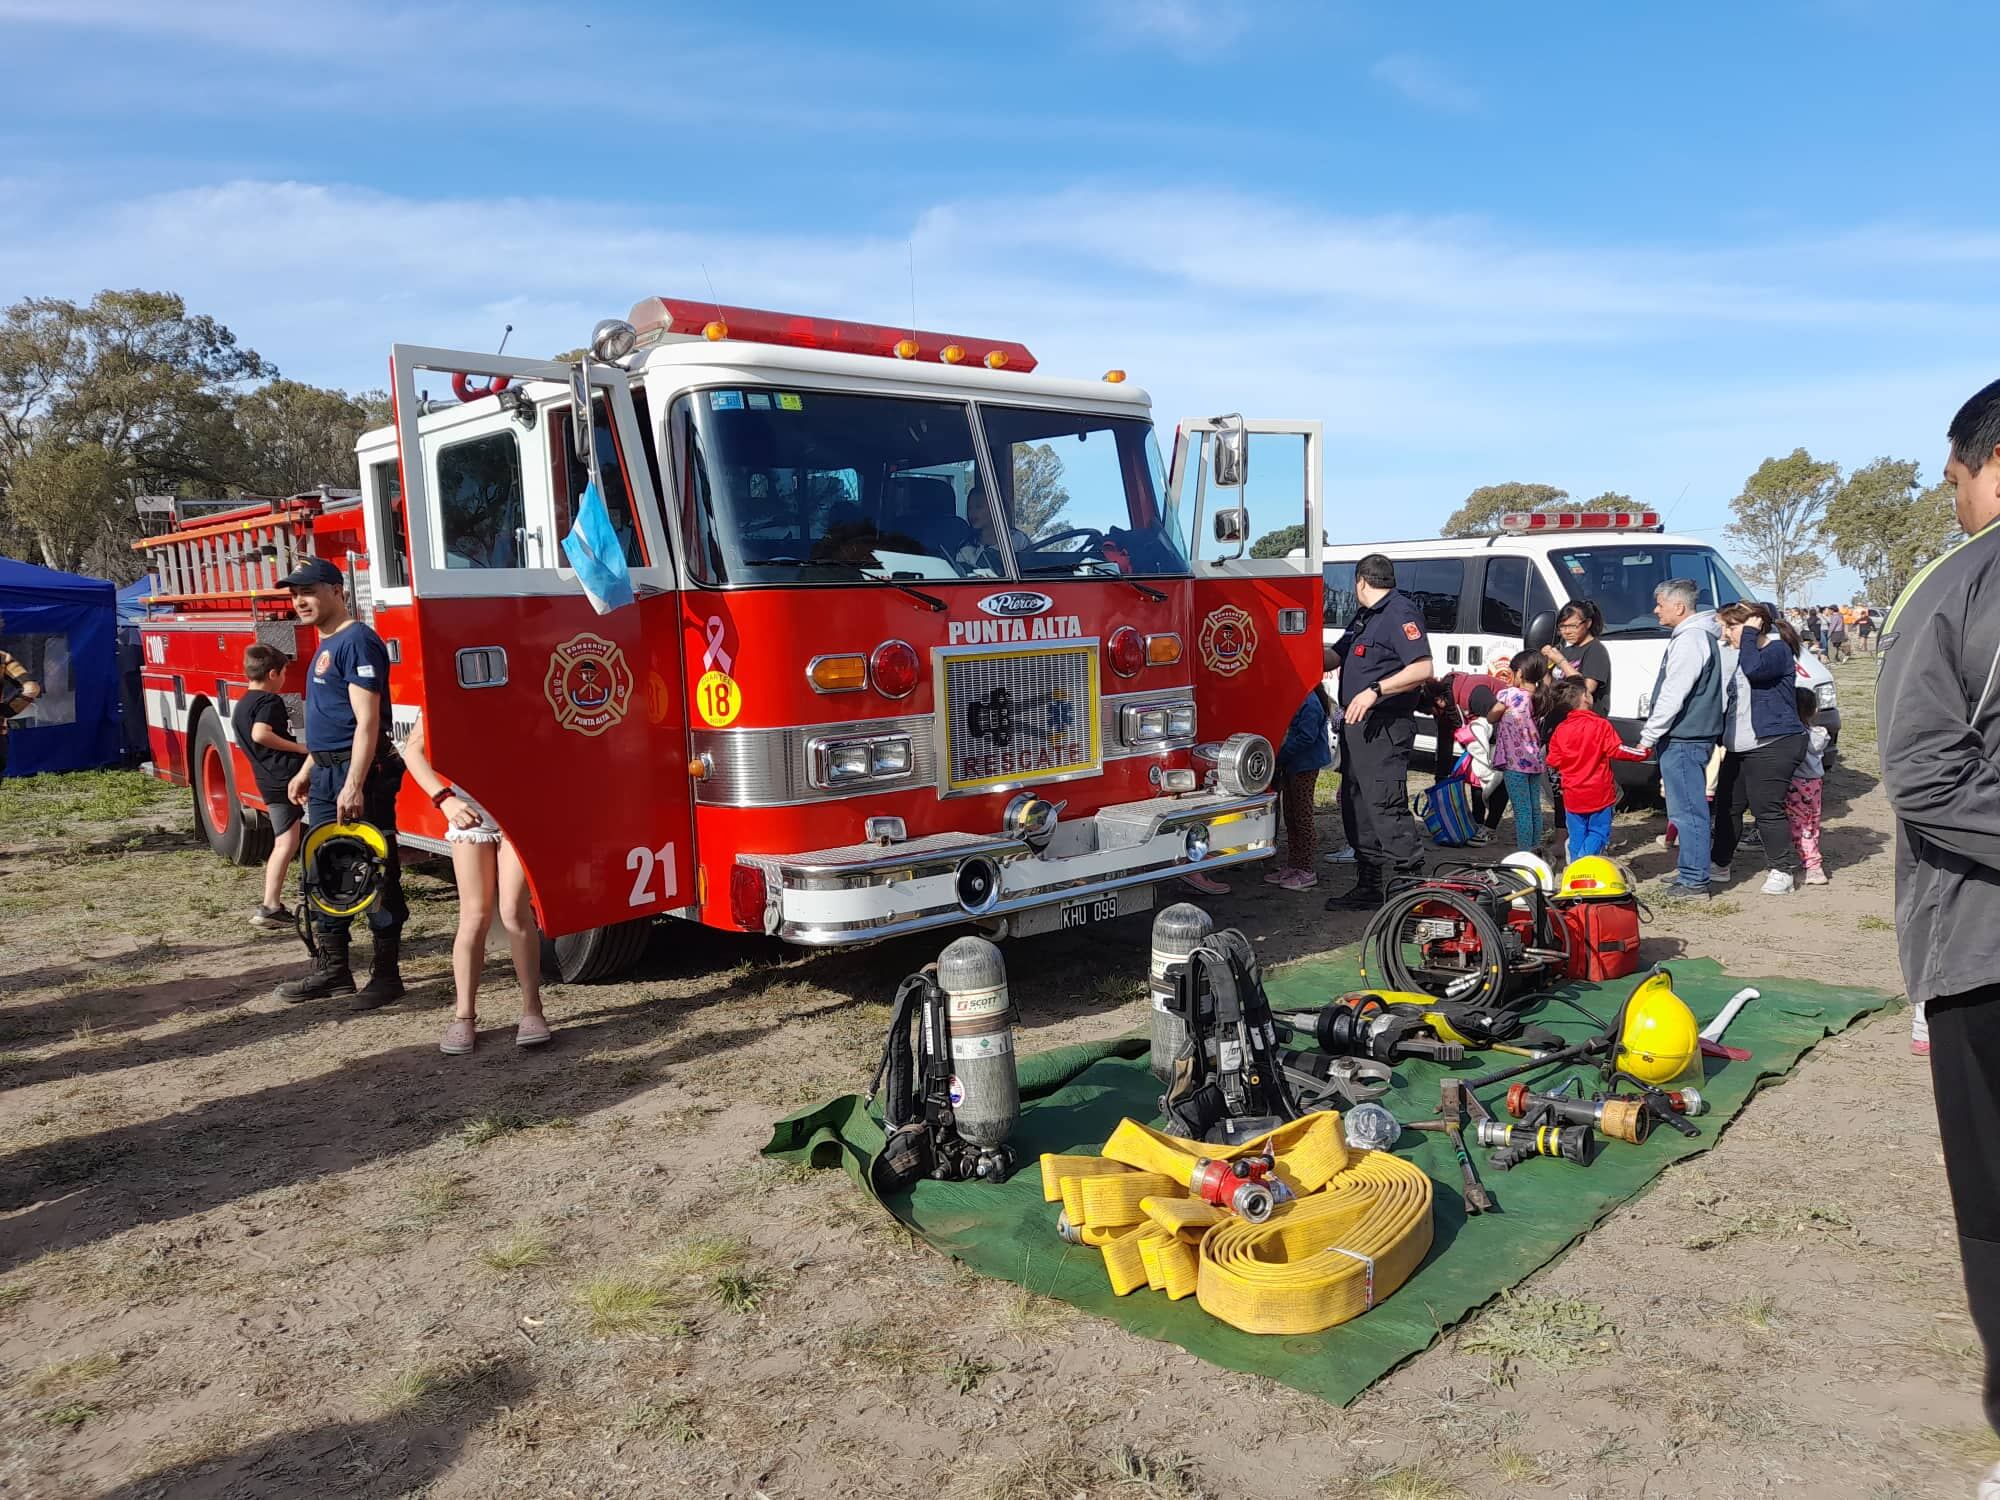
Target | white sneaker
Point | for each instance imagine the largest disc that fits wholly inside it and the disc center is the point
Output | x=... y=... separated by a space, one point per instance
x=1718 y=874
x=1341 y=857
x=1778 y=883
x=1989 y=1487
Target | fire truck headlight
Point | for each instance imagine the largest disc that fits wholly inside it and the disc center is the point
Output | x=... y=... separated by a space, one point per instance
x=890 y=758
x=855 y=762
x=1143 y=726
x=1180 y=721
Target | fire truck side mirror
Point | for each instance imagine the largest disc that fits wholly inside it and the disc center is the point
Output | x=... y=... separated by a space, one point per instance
x=1541 y=632
x=1232 y=460
x=1232 y=525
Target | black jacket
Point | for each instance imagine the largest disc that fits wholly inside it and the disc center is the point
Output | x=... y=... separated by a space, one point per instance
x=1938 y=721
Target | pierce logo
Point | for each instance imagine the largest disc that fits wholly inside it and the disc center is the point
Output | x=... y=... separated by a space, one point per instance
x=1228 y=640
x=1016 y=602
x=588 y=684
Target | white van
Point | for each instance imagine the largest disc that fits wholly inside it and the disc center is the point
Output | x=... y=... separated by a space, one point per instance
x=1483 y=597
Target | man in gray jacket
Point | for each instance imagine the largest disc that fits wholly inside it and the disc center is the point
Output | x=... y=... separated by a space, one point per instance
x=1684 y=724
x=1938 y=719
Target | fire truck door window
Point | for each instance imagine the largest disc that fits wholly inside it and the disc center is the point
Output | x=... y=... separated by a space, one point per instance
x=1083 y=493
x=569 y=474
x=46 y=658
x=480 y=503
x=393 y=566
x=816 y=487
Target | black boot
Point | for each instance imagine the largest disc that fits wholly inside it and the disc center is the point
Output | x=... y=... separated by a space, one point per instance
x=385 y=979
x=329 y=974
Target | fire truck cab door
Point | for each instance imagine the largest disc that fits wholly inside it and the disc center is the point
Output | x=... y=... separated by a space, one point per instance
x=566 y=725
x=1256 y=620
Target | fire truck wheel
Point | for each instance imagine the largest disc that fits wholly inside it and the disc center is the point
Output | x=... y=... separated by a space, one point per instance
x=240 y=837
x=600 y=953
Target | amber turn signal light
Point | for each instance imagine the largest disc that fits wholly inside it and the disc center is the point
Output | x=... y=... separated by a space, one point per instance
x=838 y=674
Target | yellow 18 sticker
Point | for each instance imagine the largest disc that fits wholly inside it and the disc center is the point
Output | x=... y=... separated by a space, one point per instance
x=717 y=699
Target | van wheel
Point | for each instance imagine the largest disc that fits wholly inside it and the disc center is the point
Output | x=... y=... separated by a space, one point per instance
x=597 y=954
x=239 y=837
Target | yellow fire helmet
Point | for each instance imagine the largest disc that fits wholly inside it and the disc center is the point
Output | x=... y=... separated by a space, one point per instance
x=1658 y=1039
x=1531 y=869
x=343 y=868
x=1594 y=878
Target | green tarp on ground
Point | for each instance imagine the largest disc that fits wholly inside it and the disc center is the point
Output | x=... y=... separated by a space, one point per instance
x=1074 y=1096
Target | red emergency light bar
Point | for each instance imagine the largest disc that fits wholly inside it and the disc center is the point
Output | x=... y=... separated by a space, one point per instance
x=1588 y=520
x=689 y=319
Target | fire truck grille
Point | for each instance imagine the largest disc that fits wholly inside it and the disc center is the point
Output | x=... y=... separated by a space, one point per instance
x=1015 y=717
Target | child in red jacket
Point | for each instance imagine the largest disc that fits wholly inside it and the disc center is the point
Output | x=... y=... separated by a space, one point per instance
x=1580 y=752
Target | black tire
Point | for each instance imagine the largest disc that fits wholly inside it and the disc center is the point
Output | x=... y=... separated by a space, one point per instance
x=231 y=832
x=597 y=954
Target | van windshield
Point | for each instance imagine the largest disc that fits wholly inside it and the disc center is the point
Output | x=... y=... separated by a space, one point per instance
x=822 y=487
x=1622 y=580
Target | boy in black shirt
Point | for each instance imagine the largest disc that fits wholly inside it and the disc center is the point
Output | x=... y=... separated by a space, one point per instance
x=263 y=728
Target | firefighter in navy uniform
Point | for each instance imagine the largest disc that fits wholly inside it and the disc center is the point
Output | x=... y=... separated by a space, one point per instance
x=353 y=772
x=1383 y=659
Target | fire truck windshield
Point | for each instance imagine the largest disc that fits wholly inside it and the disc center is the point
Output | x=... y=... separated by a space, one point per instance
x=1083 y=493
x=829 y=487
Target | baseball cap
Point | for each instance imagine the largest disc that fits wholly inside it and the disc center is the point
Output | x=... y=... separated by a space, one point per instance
x=314 y=570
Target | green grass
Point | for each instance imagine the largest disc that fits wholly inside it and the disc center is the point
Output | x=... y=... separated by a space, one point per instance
x=676 y=1419
x=695 y=1254
x=739 y=1292
x=1557 y=1333
x=438 y=1387
x=66 y=1375
x=53 y=804
x=1875 y=924
x=476 y=1132
x=13 y=1295
x=622 y=1304
x=71 y=1414
x=521 y=1250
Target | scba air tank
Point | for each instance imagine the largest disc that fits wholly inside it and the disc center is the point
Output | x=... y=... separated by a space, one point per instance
x=985 y=1091
x=1177 y=932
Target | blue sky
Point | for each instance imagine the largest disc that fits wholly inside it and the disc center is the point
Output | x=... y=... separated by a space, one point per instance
x=1638 y=251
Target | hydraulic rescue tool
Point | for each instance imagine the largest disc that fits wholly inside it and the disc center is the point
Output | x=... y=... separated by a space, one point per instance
x=952 y=1098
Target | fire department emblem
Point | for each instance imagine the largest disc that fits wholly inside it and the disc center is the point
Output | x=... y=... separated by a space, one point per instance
x=588 y=684
x=1228 y=640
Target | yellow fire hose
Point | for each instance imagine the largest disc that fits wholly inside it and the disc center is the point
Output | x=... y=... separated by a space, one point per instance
x=1357 y=1224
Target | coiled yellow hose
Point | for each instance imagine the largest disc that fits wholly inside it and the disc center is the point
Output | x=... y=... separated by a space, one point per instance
x=1357 y=1225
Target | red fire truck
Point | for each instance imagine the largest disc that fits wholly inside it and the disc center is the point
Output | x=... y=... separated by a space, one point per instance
x=920 y=636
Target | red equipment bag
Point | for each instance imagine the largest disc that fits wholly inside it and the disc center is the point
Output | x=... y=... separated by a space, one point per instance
x=1603 y=937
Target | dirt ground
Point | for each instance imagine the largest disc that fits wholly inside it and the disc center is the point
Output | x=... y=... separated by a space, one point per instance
x=252 y=1249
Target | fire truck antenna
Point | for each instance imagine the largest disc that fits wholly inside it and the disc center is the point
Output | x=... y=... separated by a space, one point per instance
x=910 y=246
x=713 y=299
x=505 y=335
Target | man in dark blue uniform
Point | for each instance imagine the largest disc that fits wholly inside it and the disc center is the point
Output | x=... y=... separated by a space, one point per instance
x=1383 y=659
x=352 y=772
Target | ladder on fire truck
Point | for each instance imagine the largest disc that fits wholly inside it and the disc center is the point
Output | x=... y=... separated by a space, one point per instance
x=231 y=560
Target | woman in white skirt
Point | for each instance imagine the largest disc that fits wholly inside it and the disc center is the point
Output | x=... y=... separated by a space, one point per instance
x=489 y=873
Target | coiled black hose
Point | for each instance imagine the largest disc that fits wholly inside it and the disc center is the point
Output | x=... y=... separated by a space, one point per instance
x=1493 y=985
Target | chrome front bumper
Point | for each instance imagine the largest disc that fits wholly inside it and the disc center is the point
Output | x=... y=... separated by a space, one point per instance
x=865 y=892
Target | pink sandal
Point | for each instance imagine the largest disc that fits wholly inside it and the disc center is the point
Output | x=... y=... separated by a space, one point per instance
x=461 y=1034
x=532 y=1032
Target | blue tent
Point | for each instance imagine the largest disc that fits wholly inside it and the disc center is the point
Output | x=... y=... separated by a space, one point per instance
x=64 y=630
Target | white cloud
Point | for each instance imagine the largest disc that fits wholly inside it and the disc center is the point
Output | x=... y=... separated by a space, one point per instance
x=1440 y=352
x=1194 y=30
x=1425 y=81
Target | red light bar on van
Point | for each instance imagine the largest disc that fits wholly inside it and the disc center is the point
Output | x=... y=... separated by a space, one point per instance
x=1588 y=520
x=658 y=317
